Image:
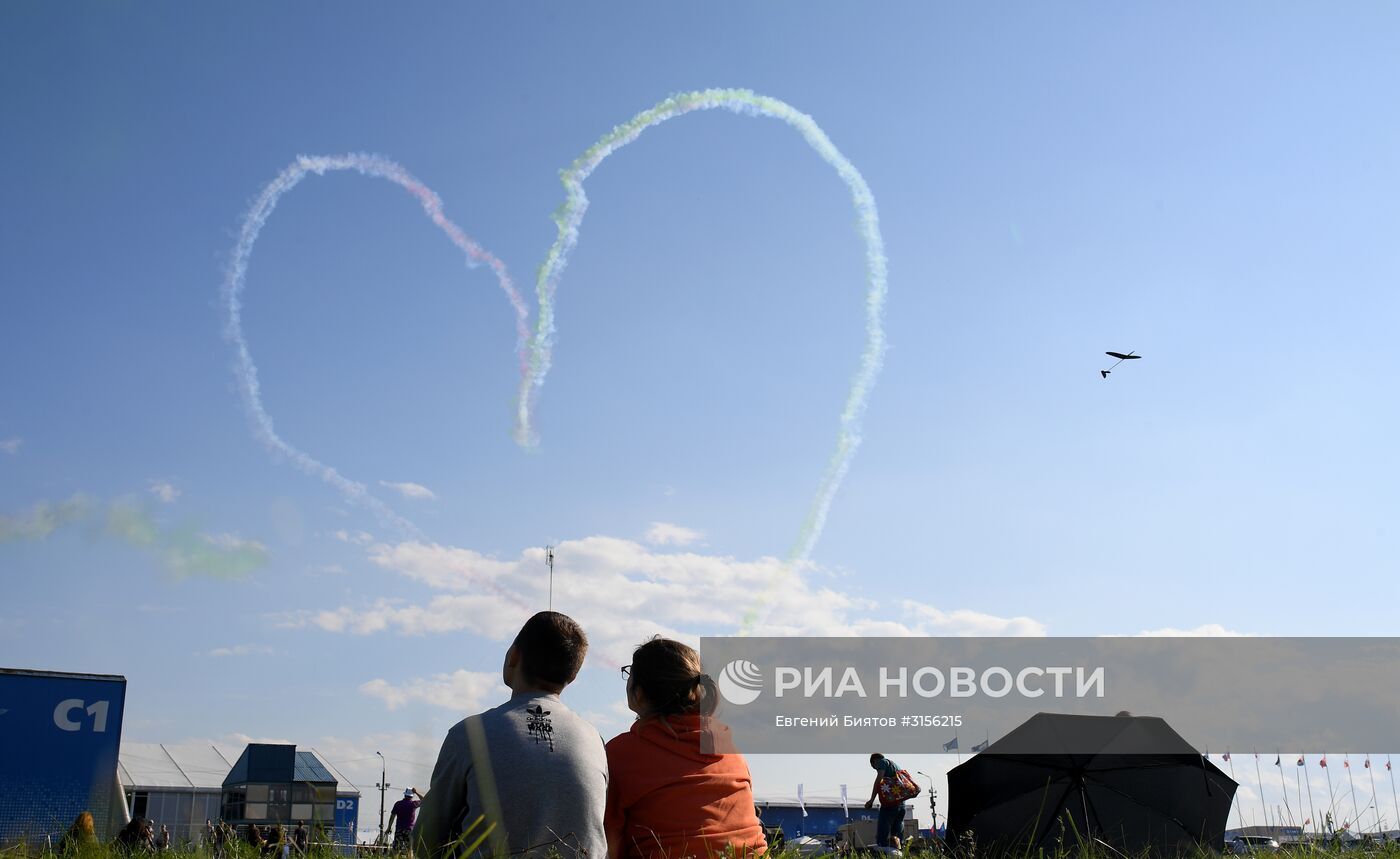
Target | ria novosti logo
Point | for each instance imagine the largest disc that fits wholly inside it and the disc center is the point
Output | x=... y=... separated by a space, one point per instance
x=740 y=682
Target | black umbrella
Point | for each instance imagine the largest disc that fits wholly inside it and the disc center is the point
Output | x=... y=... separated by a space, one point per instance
x=1022 y=792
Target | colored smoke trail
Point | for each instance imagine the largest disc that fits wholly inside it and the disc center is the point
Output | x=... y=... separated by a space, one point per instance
x=536 y=351
x=232 y=292
x=570 y=216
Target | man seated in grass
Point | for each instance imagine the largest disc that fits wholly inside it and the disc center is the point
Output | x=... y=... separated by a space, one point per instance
x=528 y=777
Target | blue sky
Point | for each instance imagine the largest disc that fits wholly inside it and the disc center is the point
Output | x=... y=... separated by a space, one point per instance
x=1213 y=187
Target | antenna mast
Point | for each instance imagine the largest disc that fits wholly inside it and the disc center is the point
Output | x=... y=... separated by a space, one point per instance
x=549 y=559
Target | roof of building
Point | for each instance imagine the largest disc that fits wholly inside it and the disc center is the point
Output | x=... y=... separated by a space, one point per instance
x=188 y=765
x=810 y=802
x=204 y=766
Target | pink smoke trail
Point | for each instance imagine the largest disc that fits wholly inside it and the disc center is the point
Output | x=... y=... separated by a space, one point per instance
x=246 y=371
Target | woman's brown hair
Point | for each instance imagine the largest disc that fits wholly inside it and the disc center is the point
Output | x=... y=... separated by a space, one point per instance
x=668 y=673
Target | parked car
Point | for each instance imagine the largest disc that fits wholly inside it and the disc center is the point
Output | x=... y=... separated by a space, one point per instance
x=1243 y=845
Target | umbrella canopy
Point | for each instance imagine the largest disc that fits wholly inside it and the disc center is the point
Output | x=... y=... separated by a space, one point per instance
x=1170 y=801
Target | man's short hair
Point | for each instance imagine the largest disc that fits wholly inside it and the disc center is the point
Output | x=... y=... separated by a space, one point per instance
x=551 y=647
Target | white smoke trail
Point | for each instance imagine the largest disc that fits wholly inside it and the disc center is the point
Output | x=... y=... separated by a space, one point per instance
x=232 y=292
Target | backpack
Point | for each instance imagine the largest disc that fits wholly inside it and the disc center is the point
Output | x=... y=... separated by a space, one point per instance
x=898 y=788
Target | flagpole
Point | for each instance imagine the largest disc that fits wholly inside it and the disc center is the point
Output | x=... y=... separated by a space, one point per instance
x=1312 y=810
x=1351 y=782
x=1231 y=761
x=1260 y=778
x=1331 y=793
x=1283 y=785
x=1299 y=784
x=1393 y=797
x=1375 y=798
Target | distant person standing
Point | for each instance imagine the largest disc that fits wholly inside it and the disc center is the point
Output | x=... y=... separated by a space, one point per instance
x=220 y=840
x=301 y=839
x=403 y=816
x=163 y=840
x=893 y=787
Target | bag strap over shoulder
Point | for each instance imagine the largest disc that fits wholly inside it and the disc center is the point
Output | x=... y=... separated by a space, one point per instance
x=490 y=801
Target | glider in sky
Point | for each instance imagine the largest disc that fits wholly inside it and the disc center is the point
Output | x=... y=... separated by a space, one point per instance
x=1121 y=356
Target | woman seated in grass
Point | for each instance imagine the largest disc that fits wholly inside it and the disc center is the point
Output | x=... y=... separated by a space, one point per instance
x=667 y=799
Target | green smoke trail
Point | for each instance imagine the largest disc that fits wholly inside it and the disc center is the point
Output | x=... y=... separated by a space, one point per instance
x=570 y=216
x=184 y=550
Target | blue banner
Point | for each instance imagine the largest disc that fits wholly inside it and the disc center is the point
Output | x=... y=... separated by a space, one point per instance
x=59 y=739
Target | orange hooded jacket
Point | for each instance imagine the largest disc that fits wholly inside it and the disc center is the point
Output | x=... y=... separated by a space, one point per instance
x=669 y=800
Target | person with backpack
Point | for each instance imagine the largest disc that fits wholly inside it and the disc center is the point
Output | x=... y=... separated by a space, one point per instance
x=893 y=787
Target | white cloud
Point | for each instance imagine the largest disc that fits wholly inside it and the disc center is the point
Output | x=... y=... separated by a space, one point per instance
x=11 y=445
x=355 y=538
x=415 y=491
x=1207 y=630
x=623 y=592
x=241 y=650
x=166 y=491
x=667 y=534
x=461 y=691
x=966 y=622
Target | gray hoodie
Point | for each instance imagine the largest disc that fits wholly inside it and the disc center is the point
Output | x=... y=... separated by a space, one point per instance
x=531 y=766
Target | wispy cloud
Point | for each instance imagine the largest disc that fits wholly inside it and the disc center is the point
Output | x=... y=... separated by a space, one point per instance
x=166 y=491
x=623 y=592
x=461 y=691
x=667 y=534
x=11 y=445
x=965 y=622
x=241 y=650
x=355 y=538
x=1207 y=630
x=415 y=491
x=184 y=550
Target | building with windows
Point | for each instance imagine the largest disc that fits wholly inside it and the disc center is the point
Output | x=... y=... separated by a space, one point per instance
x=182 y=785
x=271 y=784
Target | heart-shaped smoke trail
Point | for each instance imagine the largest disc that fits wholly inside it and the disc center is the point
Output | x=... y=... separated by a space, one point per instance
x=570 y=217
x=247 y=372
x=536 y=351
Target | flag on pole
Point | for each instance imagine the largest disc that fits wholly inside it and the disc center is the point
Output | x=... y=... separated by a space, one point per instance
x=951 y=744
x=1225 y=757
x=981 y=747
x=1346 y=764
x=800 y=804
x=1300 y=760
x=1387 y=763
x=1323 y=762
x=1367 y=763
x=1278 y=760
x=844 y=803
